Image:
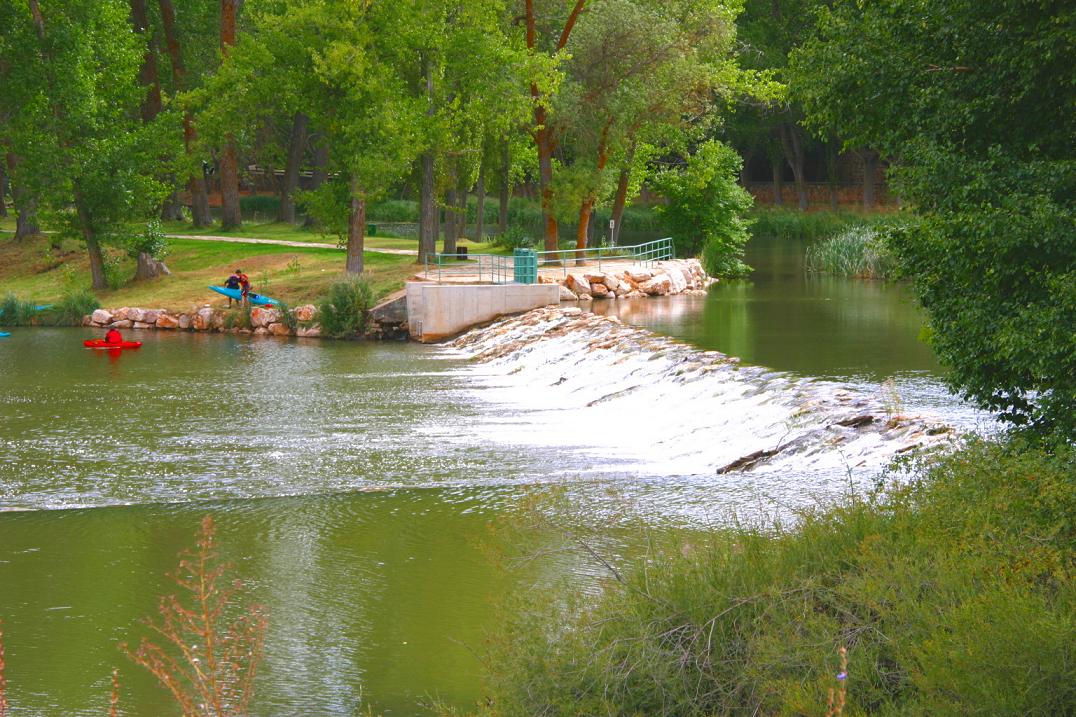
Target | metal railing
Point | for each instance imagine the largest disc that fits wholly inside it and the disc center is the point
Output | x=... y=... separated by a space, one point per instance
x=523 y=267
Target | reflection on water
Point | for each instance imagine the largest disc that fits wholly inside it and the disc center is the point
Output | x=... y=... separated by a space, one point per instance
x=783 y=318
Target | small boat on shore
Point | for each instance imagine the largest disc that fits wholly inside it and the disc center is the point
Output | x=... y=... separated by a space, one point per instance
x=254 y=299
x=4 y=334
x=102 y=344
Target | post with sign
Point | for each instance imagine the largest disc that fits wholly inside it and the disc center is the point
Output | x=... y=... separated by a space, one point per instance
x=612 y=231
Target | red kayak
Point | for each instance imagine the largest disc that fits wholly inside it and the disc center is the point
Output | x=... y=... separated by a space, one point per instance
x=102 y=344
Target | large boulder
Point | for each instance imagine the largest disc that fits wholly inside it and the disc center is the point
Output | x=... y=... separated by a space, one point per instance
x=639 y=276
x=120 y=314
x=136 y=314
x=566 y=294
x=612 y=282
x=578 y=283
x=261 y=331
x=202 y=319
x=279 y=330
x=599 y=291
x=101 y=317
x=658 y=286
x=309 y=332
x=141 y=325
x=167 y=321
x=306 y=312
x=125 y=324
x=184 y=321
x=150 y=316
x=261 y=317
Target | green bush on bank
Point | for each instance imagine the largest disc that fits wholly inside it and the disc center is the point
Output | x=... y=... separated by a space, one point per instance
x=345 y=312
x=72 y=306
x=858 y=251
x=809 y=226
x=14 y=312
x=952 y=590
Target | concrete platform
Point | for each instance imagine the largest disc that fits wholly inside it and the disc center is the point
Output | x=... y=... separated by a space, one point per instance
x=439 y=311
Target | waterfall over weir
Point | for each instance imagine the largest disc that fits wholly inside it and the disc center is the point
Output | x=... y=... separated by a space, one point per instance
x=664 y=408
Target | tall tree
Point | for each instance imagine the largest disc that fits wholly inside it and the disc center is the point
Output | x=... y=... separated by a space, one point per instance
x=230 y=214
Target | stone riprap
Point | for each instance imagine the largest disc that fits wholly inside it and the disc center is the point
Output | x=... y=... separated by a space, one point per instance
x=663 y=278
x=263 y=321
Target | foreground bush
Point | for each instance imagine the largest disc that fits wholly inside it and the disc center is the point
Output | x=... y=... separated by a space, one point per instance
x=952 y=591
x=70 y=309
x=858 y=252
x=345 y=312
x=14 y=312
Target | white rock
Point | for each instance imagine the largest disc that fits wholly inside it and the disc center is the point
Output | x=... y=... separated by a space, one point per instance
x=658 y=286
x=141 y=325
x=136 y=314
x=262 y=317
x=184 y=321
x=578 y=284
x=102 y=317
x=566 y=294
x=305 y=313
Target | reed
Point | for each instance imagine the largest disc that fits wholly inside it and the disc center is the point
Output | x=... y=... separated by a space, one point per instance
x=857 y=252
x=203 y=657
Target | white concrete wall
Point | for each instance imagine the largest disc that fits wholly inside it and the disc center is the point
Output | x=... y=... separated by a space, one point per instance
x=439 y=311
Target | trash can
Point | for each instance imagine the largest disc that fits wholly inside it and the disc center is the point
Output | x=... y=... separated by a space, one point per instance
x=461 y=252
x=371 y=230
x=525 y=265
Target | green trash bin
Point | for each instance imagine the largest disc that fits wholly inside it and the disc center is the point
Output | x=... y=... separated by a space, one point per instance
x=371 y=230
x=525 y=264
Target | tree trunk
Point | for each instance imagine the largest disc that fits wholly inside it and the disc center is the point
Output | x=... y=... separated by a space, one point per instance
x=543 y=133
x=870 y=173
x=427 y=220
x=581 y=237
x=291 y=170
x=792 y=143
x=196 y=185
x=147 y=75
x=621 y=198
x=320 y=174
x=582 y=230
x=744 y=174
x=97 y=260
x=3 y=190
x=25 y=203
x=451 y=223
x=230 y=213
x=149 y=268
x=172 y=209
x=480 y=206
x=505 y=188
x=778 y=181
x=356 y=228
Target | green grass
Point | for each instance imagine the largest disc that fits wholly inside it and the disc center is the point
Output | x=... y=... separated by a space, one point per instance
x=952 y=589
x=36 y=271
x=858 y=252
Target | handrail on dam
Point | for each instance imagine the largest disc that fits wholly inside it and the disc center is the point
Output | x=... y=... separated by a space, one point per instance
x=523 y=266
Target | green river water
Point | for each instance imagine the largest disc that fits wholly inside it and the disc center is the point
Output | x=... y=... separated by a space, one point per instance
x=354 y=486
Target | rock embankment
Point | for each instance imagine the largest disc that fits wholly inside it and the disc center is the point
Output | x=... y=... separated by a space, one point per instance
x=664 y=278
x=259 y=321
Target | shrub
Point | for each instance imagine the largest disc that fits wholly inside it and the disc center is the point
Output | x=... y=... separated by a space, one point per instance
x=515 y=237
x=809 y=226
x=707 y=207
x=72 y=306
x=238 y=318
x=393 y=210
x=14 y=312
x=952 y=589
x=286 y=316
x=267 y=205
x=345 y=312
x=858 y=251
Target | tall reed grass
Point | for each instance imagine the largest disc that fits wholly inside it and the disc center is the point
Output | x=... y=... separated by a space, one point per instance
x=809 y=226
x=952 y=588
x=858 y=251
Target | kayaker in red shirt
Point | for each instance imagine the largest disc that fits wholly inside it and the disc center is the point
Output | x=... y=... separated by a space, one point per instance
x=244 y=283
x=113 y=337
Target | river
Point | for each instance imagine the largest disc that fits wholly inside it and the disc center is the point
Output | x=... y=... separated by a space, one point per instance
x=355 y=485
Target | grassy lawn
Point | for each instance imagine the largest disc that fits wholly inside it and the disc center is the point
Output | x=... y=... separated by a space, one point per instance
x=33 y=270
x=289 y=232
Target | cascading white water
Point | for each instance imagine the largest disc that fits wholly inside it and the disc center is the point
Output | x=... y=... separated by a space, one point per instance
x=664 y=408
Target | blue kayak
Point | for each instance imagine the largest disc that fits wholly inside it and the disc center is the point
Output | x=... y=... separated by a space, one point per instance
x=254 y=299
x=3 y=334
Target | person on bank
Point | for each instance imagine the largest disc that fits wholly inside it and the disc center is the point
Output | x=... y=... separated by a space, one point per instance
x=113 y=336
x=238 y=280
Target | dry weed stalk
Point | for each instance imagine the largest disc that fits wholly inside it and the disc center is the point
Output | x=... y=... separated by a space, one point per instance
x=837 y=697
x=114 y=698
x=207 y=665
x=3 y=680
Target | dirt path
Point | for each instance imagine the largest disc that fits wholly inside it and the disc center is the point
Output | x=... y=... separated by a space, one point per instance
x=284 y=242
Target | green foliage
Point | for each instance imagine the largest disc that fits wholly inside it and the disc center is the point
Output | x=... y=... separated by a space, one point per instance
x=287 y=317
x=267 y=205
x=707 y=207
x=859 y=252
x=515 y=237
x=72 y=306
x=994 y=264
x=952 y=589
x=14 y=312
x=115 y=276
x=345 y=312
x=393 y=210
x=807 y=226
x=151 y=241
x=238 y=318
